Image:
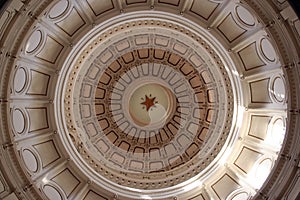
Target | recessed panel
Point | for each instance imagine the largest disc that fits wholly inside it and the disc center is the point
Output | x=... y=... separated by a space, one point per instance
x=224 y=186
x=161 y=41
x=245 y=16
x=34 y=41
x=259 y=126
x=58 y=9
x=240 y=196
x=91 y=195
x=247 y=159
x=259 y=91
x=155 y=166
x=86 y=90
x=204 y=8
x=72 y=23
x=30 y=160
x=39 y=83
x=128 y=2
x=142 y=39
x=50 y=51
x=93 y=71
x=20 y=80
x=18 y=121
x=47 y=152
x=38 y=119
x=103 y=146
x=268 y=50
x=118 y=158
x=52 y=193
x=136 y=165
x=230 y=29
x=206 y=76
x=250 y=57
x=198 y=197
x=122 y=45
x=105 y=56
x=180 y=48
x=170 y=2
x=262 y=171
x=278 y=89
x=67 y=181
x=99 y=8
x=85 y=110
x=277 y=131
x=91 y=129
x=196 y=60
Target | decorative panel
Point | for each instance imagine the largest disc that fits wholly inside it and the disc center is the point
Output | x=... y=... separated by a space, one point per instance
x=30 y=160
x=261 y=171
x=51 y=50
x=34 y=41
x=163 y=41
x=198 y=197
x=100 y=8
x=85 y=110
x=259 y=91
x=278 y=89
x=224 y=186
x=250 y=57
x=128 y=2
x=204 y=8
x=38 y=119
x=67 y=181
x=52 y=192
x=141 y=39
x=91 y=195
x=197 y=61
x=72 y=23
x=20 y=80
x=239 y=194
x=87 y=89
x=246 y=159
x=276 y=131
x=267 y=50
x=59 y=9
x=259 y=126
x=19 y=120
x=245 y=16
x=230 y=29
x=47 y=152
x=39 y=83
x=180 y=48
x=170 y=2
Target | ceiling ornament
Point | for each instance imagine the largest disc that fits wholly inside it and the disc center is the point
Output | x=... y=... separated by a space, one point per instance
x=137 y=99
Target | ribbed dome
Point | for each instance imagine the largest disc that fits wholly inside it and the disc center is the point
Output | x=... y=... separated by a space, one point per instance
x=149 y=99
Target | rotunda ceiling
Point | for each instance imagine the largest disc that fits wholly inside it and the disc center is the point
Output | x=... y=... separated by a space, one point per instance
x=148 y=99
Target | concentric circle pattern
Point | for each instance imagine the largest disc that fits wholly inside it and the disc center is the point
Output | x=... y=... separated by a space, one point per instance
x=149 y=99
x=155 y=109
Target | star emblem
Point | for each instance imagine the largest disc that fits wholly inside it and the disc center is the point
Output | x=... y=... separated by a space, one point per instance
x=149 y=102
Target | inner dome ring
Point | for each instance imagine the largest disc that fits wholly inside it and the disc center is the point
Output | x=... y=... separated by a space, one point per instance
x=220 y=128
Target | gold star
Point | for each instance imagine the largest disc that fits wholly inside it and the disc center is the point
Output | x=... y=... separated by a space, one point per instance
x=149 y=102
